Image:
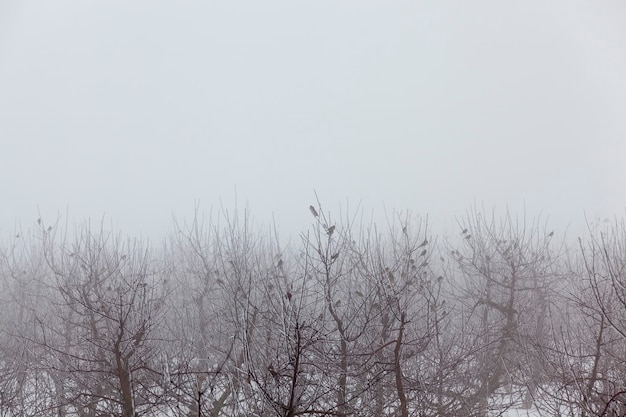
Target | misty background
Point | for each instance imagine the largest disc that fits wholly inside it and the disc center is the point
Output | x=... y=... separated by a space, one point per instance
x=138 y=110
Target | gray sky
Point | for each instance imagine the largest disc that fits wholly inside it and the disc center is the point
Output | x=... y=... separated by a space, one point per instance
x=139 y=109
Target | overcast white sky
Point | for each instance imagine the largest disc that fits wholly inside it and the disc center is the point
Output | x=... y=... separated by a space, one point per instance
x=138 y=109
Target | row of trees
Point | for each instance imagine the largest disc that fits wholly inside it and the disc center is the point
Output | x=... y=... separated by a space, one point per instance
x=353 y=320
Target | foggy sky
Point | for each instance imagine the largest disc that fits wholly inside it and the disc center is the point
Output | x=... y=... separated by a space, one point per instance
x=141 y=109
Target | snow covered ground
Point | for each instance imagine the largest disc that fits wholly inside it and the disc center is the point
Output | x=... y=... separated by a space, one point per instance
x=519 y=412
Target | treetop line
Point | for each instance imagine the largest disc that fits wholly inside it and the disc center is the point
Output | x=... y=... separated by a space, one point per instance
x=221 y=320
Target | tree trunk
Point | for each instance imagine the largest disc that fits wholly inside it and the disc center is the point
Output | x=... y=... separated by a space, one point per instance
x=398 y=369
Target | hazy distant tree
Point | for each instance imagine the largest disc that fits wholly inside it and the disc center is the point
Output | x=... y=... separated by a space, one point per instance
x=506 y=270
x=25 y=390
x=205 y=345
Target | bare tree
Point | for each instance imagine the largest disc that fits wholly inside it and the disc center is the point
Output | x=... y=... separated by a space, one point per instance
x=382 y=305
x=599 y=379
x=506 y=272
x=100 y=336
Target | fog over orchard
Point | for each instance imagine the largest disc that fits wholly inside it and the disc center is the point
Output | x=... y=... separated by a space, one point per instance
x=221 y=318
x=282 y=208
